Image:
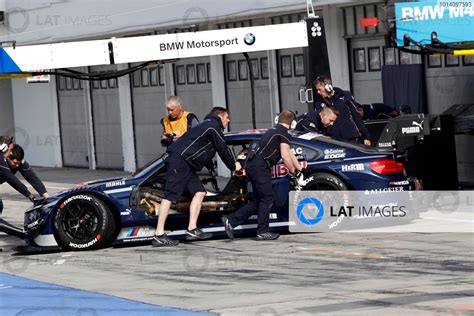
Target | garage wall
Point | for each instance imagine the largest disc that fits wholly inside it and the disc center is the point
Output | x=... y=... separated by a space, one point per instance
x=449 y=80
x=238 y=91
x=6 y=108
x=366 y=70
x=73 y=121
x=106 y=121
x=193 y=85
x=36 y=122
x=291 y=75
x=148 y=101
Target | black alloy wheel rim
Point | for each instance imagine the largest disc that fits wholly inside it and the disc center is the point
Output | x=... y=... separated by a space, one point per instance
x=80 y=221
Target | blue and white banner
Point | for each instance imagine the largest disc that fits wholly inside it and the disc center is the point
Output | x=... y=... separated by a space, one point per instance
x=153 y=47
x=453 y=21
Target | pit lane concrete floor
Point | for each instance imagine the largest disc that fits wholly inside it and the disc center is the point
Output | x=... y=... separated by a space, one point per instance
x=333 y=274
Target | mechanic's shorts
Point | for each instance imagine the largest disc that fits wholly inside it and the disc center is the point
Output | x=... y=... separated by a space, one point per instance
x=180 y=178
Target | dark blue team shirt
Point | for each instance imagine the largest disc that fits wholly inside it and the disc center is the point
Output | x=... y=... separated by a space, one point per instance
x=7 y=174
x=269 y=144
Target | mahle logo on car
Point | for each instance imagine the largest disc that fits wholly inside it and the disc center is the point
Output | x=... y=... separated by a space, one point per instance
x=115 y=183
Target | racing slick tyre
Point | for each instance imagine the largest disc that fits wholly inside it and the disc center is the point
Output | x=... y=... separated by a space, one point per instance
x=84 y=222
x=325 y=181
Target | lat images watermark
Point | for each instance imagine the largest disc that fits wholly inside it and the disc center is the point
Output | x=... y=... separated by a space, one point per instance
x=19 y=20
x=203 y=260
x=18 y=264
x=381 y=210
x=195 y=14
x=68 y=140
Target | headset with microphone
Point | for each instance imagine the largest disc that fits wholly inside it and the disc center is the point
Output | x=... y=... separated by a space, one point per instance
x=293 y=122
x=325 y=82
x=5 y=143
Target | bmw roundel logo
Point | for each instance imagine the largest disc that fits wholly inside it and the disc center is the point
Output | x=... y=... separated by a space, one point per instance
x=249 y=39
x=310 y=202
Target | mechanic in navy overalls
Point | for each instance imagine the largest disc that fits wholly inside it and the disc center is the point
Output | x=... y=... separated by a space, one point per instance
x=349 y=125
x=11 y=162
x=273 y=145
x=186 y=156
x=317 y=121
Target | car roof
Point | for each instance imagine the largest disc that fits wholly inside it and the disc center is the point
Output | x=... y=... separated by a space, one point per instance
x=299 y=137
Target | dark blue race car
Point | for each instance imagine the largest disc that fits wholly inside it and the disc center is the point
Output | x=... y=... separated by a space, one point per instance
x=122 y=211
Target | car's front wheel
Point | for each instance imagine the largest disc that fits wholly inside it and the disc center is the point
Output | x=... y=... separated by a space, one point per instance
x=325 y=182
x=84 y=222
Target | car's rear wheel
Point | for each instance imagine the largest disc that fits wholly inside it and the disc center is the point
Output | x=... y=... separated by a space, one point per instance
x=84 y=222
x=325 y=182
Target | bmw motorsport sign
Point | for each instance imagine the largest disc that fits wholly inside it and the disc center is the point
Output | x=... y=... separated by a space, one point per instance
x=153 y=47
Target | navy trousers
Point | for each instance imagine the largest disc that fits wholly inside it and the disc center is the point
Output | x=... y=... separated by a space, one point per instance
x=259 y=173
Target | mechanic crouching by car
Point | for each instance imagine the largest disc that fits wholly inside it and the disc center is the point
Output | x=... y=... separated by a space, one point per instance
x=177 y=122
x=317 y=121
x=272 y=146
x=12 y=162
x=349 y=125
x=186 y=156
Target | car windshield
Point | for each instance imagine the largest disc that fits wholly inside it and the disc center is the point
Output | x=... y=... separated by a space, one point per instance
x=151 y=165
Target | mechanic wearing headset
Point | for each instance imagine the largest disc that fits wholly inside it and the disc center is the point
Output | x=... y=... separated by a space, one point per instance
x=177 y=122
x=185 y=157
x=317 y=121
x=349 y=125
x=272 y=146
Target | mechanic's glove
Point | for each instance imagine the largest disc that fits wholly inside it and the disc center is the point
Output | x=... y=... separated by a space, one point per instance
x=297 y=174
x=304 y=171
x=36 y=199
x=297 y=179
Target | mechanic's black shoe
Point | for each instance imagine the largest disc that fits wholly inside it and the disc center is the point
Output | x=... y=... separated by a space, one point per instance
x=267 y=236
x=197 y=234
x=229 y=230
x=163 y=241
